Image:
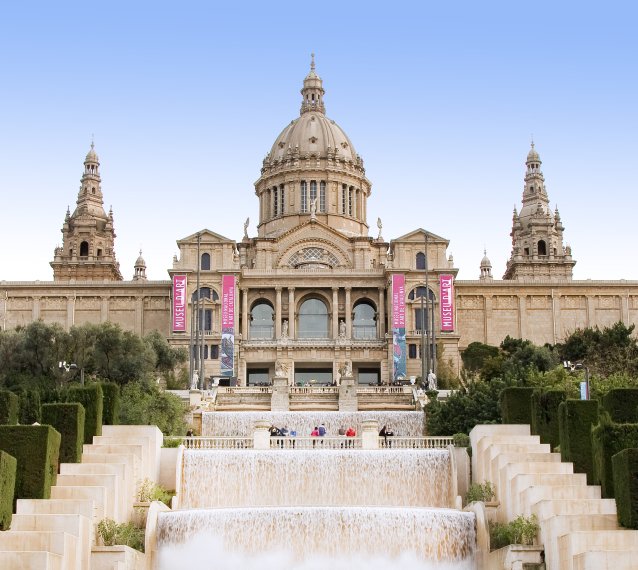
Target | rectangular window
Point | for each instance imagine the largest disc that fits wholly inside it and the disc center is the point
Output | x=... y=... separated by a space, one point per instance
x=208 y=320
x=350 y=200
x=322 y=196
x=313 y=190
x=418 y=319
x=344 y=199
x=282 y=204
x=214 y=351
x=304 y=196
x=275 y=201
x=412 y=351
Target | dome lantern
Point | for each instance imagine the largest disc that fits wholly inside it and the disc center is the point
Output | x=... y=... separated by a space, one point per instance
x=312 y=92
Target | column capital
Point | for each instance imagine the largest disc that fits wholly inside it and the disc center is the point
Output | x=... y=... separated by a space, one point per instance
x=278 y=288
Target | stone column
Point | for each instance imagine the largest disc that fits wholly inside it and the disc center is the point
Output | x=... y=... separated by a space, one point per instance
x=335 y=312
x=555 y=317
x=70 y=311
x=370 y=434
x=261 y=435
x=348 y=401
x=35 y=309
x=139 y=318
x=522 y=316
x=487 y=300
x=348 y=309
x=624 y=308
x=104 y=309
x=591 y=311
x=381 y=314
x=277 y=312
x=291 y=312
x=280 y=400
x=244 y=314
x=236 y=316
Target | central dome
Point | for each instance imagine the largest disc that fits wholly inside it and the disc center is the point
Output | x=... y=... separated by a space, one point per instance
x=313 y=135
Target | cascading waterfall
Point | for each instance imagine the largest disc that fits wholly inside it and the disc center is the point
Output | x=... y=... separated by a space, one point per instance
x=343 y=509
x=242 y=424
x=245 y=478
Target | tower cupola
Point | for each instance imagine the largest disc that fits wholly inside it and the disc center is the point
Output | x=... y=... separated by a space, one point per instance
x=312 y=91
x=140 y=269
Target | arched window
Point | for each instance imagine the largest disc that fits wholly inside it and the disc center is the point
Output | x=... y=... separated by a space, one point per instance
x=542 y=248
x=419 y=292
x=84 y=249
x=206 y=293
x=364 y=324
x=313 y=319
x=420 y=260
x=205 y=265
x=262 y=318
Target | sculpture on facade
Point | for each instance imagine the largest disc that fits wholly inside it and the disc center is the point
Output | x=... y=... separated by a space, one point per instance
x=345 y=371
x=281 y=370
x=284 y=329
x=246 y=228
x=195 y=380
x=380 y=226
x=313 y=209
x=342 y=329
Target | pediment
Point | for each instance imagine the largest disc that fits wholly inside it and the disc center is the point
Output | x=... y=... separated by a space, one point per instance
x=313 y=245
x=207 y=236
x=418 y=236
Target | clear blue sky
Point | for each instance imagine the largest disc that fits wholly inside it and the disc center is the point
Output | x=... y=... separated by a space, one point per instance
x=439 y=98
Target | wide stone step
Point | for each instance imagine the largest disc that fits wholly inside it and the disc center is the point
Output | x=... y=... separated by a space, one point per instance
x=112 y=483
x=61 y=543
x=532 y=495
x=84 y=507
x=30 y=560
x=547 y=509
x=95 y=494
x=606 y=560
x=574 y=543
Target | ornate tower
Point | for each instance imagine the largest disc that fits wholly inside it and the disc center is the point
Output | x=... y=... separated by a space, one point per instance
x=538 y=253
x=486 y=268
x=312 y=172
x=88 y=237
x=139 y=269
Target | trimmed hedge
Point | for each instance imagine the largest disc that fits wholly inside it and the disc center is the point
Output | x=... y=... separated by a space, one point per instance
x=30 y=407
x=609 y=438
x=9 y=406
x=516 y=405
x=36 y=449
x=68 y=419
x=625 y=469
x=92 y=399
x=111 y=409
x=8 y=469
x=545 y=415
x=622 y=404
x=575 y=421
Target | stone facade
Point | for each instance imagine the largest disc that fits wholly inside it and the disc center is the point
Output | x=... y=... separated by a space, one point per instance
x=312 y=252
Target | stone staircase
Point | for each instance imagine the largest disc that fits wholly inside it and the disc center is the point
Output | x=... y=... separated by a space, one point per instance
x=60 y=533
x=578 y=528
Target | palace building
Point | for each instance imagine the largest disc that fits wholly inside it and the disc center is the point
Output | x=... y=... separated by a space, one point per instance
x=315 y=287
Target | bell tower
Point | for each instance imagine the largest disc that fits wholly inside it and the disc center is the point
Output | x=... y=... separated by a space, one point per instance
x=538 y=253
x=87 y=252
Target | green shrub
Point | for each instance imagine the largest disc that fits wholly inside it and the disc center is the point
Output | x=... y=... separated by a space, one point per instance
x=8 y=467
x=609 y=438
x=522 y=530
x=480 y=492
x=172 y=441
x=576 y=419
x=461 y=440
x=545 y=415
x=149 y=491
x=621 y=404
x=111 y=408
x=68 y=419
x=30 y=407
x=112 y=533
x=36 y=449
x=516 y=405
x=92 y=399
x=9 y=406
x=625 y=469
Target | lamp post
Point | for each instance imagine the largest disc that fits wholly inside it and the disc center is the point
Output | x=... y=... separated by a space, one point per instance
x=579 y=366
x=72 y=366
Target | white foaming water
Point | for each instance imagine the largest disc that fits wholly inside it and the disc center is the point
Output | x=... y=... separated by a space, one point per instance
x=249 y=478
x=314 y=538
x=242 y=424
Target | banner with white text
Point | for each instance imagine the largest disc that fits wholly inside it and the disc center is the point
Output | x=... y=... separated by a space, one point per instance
x=179 y=303
x=228 y=326
x=398 y=328
x=446 y=283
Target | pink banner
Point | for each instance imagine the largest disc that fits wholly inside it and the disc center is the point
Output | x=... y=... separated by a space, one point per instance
x=228 y=301
x=179 y=303
x=398 y=301
x=447 y=302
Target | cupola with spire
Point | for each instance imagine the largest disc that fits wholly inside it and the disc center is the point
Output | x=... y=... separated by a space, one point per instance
x=537 y=232
x=139 y=269
x=486 y=268
x=87 y=252
x=312 y=172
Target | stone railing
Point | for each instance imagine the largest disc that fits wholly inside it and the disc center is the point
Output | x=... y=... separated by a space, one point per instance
x=218 y=442
x=239 y=390
x=313 y=390
x=398 y=442
x=326 y=442
x=384 y=390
